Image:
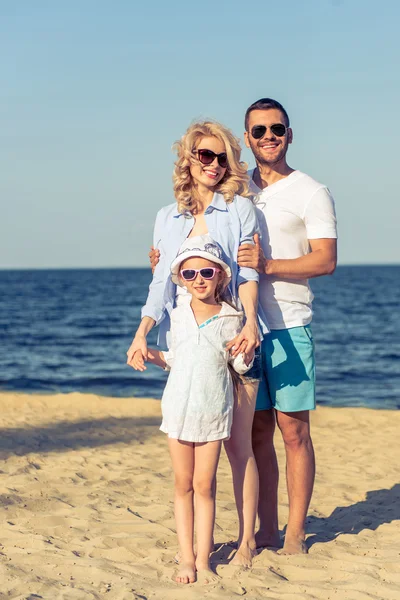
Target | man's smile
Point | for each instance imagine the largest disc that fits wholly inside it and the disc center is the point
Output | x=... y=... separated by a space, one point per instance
x=269 y=145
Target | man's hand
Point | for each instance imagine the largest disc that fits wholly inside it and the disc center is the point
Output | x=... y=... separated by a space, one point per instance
x=252 y=256
x=154 y=256
x=246 y=341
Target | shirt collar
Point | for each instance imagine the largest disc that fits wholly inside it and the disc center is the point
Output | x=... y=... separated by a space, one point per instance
x=177 y=214
x=217 y=203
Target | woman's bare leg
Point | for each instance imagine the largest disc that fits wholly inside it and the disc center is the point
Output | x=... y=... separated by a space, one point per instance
x=244 y=472
x=206 y=457
x=182 y=456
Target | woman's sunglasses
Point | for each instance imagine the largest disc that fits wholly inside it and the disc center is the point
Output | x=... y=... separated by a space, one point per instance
x=258 y=131
x=205 y=273
x=207 y=157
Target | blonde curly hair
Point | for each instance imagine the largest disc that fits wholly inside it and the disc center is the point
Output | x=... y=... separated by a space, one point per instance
x=235 y=180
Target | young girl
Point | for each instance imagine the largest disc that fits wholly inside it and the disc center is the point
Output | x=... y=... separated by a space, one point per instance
x=197 y=403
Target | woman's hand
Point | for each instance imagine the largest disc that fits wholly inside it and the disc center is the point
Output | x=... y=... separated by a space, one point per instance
x=137 y=353
x=246 y=341
x=154 y=256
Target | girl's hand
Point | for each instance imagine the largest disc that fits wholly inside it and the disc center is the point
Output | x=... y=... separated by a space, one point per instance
x=137 y=361
x=248 y=358
x=137 y=353
x=154 y=256
x=246 y=341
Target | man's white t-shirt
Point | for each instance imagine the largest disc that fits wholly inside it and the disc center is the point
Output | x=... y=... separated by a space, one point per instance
x=291 y=212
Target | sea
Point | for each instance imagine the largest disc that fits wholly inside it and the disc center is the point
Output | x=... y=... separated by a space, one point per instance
x=69 y=330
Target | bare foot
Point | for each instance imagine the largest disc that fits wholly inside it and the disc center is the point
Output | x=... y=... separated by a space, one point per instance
x=186 y=573
x=244 y=556
x=294 y=545
x=268 y=540
x=205 y=575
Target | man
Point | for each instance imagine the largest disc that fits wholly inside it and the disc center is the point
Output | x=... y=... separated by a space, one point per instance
x=298 y=241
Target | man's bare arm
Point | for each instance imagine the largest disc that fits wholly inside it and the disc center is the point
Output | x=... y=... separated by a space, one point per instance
x=320 y=261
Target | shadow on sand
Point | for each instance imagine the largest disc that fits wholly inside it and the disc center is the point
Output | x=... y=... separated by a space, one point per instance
x=67 y=435
x=379 y=507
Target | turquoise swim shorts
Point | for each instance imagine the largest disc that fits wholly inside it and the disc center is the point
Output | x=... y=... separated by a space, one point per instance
x=288 y=370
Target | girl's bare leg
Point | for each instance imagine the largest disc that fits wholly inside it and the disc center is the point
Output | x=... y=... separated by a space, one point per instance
x=182 y=456
x=206 y=457
x=244 y=472
x=177 y=557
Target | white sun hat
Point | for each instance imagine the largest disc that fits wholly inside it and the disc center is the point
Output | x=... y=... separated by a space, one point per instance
x=202 y=246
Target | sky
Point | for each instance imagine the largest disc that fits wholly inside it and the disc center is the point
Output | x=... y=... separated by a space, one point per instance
x=93 y=95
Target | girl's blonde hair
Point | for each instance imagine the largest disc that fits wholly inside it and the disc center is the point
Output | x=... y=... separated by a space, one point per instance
x=235 y=180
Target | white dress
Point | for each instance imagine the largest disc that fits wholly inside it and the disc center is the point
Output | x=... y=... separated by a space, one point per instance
x=197 y=403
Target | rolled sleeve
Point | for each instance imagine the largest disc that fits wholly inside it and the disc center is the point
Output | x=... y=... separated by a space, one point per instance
x=248 y=227
x=154 y=307
x=246 y=274
x=169 y=355
x=320 y=216
x=239 y=365
x=169 y=359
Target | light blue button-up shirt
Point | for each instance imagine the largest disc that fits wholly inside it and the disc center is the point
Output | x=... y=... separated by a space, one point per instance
x=229 y=224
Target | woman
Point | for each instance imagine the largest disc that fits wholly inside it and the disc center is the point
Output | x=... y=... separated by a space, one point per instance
x=211 y=191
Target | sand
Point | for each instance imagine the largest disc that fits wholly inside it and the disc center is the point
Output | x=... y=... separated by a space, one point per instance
x=86 y=503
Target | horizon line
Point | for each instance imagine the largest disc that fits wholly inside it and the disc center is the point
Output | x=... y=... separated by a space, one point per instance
x=132 y=267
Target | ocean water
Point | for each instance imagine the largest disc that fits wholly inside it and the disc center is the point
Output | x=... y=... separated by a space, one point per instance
x=68 y=330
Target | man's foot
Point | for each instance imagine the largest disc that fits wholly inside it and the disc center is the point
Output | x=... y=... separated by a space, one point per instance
x=268 y=540
x=294 y=545
x=205 y=575
x=186 y=573
x=244 y=556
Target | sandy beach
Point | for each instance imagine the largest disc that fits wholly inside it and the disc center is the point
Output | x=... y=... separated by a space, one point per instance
x=87 y=512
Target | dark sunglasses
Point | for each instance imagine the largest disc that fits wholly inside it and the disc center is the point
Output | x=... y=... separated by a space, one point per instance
x=206 y=273
x=207 y=157
x=258 y=131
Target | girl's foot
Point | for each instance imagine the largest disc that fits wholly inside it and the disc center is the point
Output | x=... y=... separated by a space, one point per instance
x=186 y=573
x=205 y=575
x=244 y=556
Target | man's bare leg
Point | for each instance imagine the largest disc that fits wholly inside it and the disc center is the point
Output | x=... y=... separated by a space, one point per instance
x=265 y=455
x=300 y=474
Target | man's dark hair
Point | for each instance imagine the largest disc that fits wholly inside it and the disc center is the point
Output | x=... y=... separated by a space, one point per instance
x=265 y=104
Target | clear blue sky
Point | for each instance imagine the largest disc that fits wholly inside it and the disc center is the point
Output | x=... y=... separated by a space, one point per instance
x=94 y=93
